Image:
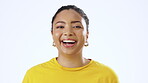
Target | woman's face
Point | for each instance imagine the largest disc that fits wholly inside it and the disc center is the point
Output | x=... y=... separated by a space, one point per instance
x=69 y=32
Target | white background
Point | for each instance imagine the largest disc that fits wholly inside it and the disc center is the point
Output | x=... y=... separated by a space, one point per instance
x=118 y=36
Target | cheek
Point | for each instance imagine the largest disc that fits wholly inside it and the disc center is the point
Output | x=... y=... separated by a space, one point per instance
x=81 y=35
x=56 y=34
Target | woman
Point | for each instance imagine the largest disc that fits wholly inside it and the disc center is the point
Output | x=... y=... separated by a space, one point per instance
x=70 y=34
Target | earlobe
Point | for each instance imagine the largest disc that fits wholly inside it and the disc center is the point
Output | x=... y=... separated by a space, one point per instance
x=86 y=43
x=54 y=45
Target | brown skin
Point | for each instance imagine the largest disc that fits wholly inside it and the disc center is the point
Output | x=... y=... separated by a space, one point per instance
x=69 y=24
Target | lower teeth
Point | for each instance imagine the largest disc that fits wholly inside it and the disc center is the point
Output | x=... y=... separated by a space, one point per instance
x=68 y=42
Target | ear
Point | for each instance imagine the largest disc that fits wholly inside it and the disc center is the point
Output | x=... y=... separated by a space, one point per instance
x=87 y=33
x=51 y=32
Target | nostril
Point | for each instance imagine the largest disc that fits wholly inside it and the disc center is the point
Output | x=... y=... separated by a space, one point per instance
x=65 y=34
x=68 y=34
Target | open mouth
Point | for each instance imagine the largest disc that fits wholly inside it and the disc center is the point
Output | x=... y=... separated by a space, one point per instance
x=69 y=43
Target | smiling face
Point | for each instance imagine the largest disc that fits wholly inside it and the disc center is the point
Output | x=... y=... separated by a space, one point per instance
x=69 y=32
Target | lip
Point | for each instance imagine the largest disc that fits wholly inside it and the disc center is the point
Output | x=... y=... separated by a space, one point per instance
x=69 y=45
x=69 y=39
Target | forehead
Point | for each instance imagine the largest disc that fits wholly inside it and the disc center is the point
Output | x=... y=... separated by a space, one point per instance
x=68 y=15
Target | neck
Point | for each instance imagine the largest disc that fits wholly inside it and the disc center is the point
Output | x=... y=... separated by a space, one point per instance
x=72 y=61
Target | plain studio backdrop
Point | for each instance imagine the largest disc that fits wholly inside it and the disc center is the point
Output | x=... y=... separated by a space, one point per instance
x=118 y=36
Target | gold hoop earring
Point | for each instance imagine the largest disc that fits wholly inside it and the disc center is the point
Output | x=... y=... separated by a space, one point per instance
x=53 y=44
x=86 y=44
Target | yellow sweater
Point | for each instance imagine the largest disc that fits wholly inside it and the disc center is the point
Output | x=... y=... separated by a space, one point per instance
x=53 y=72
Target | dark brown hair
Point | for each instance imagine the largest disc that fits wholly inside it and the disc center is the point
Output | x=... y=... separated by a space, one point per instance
x=73 y=7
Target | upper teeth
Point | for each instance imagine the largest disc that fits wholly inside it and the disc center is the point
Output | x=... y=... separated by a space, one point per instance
x=68 y=41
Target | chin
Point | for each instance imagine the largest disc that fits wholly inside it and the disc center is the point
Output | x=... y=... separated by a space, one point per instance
x=69 y=52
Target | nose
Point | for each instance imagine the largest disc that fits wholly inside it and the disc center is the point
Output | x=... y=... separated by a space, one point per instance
x=68 y=31
x=68 y=34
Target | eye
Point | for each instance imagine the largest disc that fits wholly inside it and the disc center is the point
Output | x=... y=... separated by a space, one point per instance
x=60 y=27
x=77 y=27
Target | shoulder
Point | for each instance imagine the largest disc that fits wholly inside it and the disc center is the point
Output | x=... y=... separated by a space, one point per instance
x=33 y=72
x=105 y=72
x=42 y=67
x=38 y=68
x=103 y=68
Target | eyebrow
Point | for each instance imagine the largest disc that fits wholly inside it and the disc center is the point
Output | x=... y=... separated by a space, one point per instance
x=65 y=22
x=60 y=22
x=75 y=22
